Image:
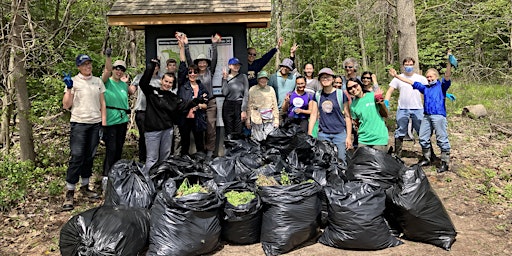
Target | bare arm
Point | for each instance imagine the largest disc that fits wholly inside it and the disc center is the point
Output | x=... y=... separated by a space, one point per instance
x=103 y=110
x=313 y=117
x=107 y=72
x=348 y=122
x=394 y=74
x=67 y=100
x=388 y=93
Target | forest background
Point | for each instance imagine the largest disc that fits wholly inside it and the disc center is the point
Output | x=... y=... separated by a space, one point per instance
x=40 y=40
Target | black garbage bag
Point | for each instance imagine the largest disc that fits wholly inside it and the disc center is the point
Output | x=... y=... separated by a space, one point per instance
x=290 y=216
x=175 y=167
x=281 y=138
x=186 y=225
x=420 y=212
x=106 y=230
x=374 y=167
x=355 y=218
x=127 y=185
x=241 y=224
x=235 y=168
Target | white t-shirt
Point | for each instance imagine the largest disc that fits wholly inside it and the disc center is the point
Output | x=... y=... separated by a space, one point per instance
x=409 y=98
x=86 y=106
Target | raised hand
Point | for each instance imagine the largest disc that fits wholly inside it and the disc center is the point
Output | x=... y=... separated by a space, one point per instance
x=216 y=38
x=67 y=80
x=279 y=42
x=108 y=52
x=293 y=49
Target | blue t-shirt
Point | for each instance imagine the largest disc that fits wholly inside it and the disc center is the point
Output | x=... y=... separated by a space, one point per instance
x=332 y=120
x=299 y=101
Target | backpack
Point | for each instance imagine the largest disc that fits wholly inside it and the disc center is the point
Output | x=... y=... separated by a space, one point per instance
x=339 y=96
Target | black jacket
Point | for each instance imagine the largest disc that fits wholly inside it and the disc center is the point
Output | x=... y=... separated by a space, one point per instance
x=163 y=107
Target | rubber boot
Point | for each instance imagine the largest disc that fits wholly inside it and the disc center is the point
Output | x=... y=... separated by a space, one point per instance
x=69 y=201
x=445 y=159
x=433 y=157
x=398 y=146
x=426 y=157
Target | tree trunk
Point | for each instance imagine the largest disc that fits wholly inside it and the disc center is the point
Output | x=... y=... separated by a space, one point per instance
x=360 y=33
x=279 y=14
x=406 y=29
x=390 y=31
x=132 y=48
x=510 y=41
x=5 y=138
x=17 y=78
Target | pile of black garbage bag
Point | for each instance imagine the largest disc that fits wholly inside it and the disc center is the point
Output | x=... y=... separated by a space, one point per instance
x=372 y=203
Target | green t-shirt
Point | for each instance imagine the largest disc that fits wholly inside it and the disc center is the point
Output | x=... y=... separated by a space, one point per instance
x=116 y=99
x=372 y=128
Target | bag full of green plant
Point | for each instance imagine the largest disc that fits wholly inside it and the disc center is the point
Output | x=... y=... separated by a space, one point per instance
x=185 y=219
x=241 y=217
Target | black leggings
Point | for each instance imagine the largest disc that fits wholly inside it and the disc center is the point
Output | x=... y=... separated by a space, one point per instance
x=231 y=116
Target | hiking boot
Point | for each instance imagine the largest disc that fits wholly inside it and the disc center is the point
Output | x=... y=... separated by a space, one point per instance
x=426 y=157
x=68 y=201
x=88 y=192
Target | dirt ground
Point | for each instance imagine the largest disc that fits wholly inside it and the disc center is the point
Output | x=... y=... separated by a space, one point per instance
x=483 y=228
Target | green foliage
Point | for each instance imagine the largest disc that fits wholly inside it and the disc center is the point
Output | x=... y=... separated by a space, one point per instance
x=187 y=189
x=285 y=179
x=16 y=179
x=237 y=198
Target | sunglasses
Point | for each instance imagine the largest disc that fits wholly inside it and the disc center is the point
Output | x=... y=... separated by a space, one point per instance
x=120 y=68
x=192 y=72
x=349 y=67
x=352 y=87
x=367 y=78
x=252 y=54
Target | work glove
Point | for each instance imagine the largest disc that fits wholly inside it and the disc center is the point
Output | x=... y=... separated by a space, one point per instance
x=67 y=80
x=451 y=97
x=386 y=102
x=453 y=61
x=108 y=52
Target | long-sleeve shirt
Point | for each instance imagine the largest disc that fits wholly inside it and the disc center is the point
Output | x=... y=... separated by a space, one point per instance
x=262 y=99
x=257 y=65
x=236 y=88
x=434 y=96
x=162 y=107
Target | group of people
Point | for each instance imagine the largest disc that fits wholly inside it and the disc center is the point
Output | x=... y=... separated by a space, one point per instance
x=347 y=110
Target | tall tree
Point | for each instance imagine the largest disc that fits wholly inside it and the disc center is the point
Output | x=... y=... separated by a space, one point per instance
x=406 y=29
x=17 y=75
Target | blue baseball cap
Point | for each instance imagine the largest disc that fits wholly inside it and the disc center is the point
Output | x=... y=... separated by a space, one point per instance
x=82 y=58
x=234 y=61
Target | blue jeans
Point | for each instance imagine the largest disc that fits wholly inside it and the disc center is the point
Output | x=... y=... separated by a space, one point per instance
x=437 y=124
x=402 y=121
x=83 y=142
x=337 y=139
x=158 y=147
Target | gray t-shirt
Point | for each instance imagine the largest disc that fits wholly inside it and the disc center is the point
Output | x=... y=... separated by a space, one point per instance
x=140 y=104
x=409 y=98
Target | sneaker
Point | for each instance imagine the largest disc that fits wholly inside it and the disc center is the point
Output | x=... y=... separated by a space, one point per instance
x=68 y=202
x=87 y=192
